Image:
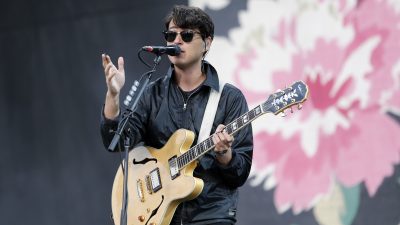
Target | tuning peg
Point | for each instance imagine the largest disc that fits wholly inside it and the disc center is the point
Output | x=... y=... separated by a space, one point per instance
x=299 y=106
x=291 y=109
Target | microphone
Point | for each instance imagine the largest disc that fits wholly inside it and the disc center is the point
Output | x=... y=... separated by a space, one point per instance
x=172 y=50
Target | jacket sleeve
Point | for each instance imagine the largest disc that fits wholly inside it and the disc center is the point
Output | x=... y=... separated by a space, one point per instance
x=135 y=128
x=237 y=171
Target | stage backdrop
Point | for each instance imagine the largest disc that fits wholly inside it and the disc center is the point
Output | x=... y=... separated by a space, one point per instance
x=335 y=162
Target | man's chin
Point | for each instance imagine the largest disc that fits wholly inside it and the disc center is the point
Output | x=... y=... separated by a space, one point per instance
x=178 y=63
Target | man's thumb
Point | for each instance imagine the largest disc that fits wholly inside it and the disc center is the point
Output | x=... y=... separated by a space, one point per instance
x=121 y=64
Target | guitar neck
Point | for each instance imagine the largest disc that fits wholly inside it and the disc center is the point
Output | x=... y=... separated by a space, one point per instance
x=276 y=103
x=201 y=148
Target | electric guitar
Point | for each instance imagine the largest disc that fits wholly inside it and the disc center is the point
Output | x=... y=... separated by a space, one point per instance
x=160 y=179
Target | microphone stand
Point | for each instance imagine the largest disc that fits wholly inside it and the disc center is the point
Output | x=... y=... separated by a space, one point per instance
x=122 y=129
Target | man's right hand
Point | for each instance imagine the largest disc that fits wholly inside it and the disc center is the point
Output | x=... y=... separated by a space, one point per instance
x=115 y=79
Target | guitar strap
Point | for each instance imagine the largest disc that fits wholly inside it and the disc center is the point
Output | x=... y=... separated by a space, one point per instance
x=209 y=113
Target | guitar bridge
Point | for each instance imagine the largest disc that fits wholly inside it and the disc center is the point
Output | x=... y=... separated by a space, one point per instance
x=139 y=190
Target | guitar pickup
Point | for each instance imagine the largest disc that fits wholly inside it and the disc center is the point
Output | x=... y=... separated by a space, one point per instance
x=173 y=167
x=153 y=181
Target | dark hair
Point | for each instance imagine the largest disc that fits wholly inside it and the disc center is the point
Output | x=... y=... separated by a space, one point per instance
x=187 y=17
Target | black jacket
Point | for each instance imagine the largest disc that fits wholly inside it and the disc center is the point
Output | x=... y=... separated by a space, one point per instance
x=162 y=110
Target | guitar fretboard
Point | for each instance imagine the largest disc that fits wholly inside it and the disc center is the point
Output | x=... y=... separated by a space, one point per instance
x=276 y=103
x=201 y=148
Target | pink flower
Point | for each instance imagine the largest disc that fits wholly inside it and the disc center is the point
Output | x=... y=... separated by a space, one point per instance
x=345 y=134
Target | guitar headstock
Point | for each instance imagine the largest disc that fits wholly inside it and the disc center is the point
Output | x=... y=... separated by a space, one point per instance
x=296 y=94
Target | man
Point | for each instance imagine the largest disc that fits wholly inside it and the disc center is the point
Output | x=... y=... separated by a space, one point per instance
x=178 y=100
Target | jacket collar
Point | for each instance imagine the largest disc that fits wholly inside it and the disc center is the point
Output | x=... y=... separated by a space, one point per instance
x=212 y=79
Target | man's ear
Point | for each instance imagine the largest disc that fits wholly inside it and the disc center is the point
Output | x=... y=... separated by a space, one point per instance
x=207 y=44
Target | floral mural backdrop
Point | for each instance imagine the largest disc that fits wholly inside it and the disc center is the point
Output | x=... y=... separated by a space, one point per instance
x=346 y=139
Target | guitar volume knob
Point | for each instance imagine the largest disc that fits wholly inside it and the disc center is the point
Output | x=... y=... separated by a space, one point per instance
x=141 y=218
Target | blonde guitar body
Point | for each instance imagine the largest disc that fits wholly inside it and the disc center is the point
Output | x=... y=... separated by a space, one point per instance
x=153 y=191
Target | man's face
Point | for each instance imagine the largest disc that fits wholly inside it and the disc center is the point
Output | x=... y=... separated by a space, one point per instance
x=192 y=51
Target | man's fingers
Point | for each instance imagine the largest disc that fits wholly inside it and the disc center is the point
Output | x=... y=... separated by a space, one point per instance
x=107 y=64
x=224 y=141
x=221 y=136
x=229 y=138
x=108 y=59
x=219 y=128
x=215 y=138
x=121 y=65
x=107 y=68
x=103 y=60
x=109 y=78
x=218 y=143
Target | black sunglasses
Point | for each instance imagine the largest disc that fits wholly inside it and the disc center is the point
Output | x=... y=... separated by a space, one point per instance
x=186 y=35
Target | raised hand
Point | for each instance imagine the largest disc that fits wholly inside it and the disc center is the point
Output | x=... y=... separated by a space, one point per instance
x=115 y=77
